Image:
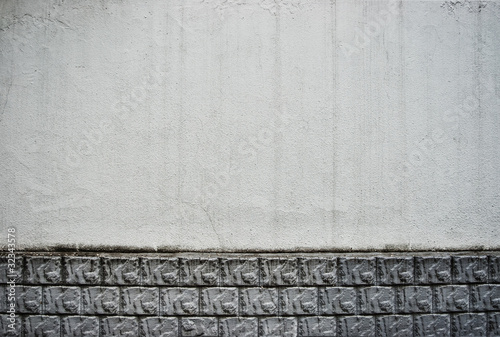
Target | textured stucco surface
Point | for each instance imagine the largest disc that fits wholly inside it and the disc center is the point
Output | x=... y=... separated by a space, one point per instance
x=250 y=125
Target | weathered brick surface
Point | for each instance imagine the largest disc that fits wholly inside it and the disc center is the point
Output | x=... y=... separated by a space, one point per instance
x=199 y=272
x=121 y=271
x=42 y=270
x=61 y=300
x=81 y=326
x=230 y=295
x=240 y=272
x=432 y=325
x=432 y=270
x=337 y=300
x=158 y=271
x=258 y=301
x=392 y=270
x=219 y=301
x=82 y=270
x=180 y=301
x=416 y=299
x=317 y=271
x=279 y=272
x=357 y=271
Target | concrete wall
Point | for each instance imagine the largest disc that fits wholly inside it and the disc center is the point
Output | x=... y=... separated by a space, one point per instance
x=250 y=125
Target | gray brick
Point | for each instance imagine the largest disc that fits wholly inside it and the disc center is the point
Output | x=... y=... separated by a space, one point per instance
x=10 y=327
x=8 y=274
x=377 y=300
x=61 y=300
x=80 y=326
x=356 y=326
x=276 y=326
x=431 y=326
x=199 y=326
x=82 y=270
x=414 y=299
x=394 y=325
x=452 y=298
x=43 y=270
x=159 y=327
x=470 y=269
x=485 y=297
x=238 y=327
x=432 y=270
x=494 y=263
x=219 y=301
x=393 y=270
x=3 y=298
x=278 y=272
x=140 y=301
x=240 y=272
x=318 y=326
x=357 y=271
x=468 y=325
x=119 y=326
x=493 y=324
x=199 y=272
x=41 y=326
x=258 y=301
x=28 y=300
x=100 y=300
x=160 y=271
x=179 y=301
x=337 y=301
x=121 y=271
x=299 y=301
x=317 y=271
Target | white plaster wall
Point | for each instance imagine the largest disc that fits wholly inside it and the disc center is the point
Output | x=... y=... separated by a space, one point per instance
x=250 y=125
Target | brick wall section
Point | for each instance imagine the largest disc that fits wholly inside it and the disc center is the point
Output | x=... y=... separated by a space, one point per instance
x=323 y=295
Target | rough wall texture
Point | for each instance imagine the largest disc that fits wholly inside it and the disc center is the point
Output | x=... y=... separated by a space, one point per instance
x=249 y=296
x=250 y=125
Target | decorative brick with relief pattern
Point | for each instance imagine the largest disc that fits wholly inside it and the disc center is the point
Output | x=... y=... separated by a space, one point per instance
x=470 y=269
x=357 y=271
x=238 y=326
x=337 y=301
x=432 y=270
x=61 y=300
x=377 y=300
x=82 y=270
x=140 y=301
x=317 y=271
x=100 y=300
x=259 y=301
x=159 y=327
x=279 y=272
x=299 y=301
x=356 y=326
x=318 y=326
x=199 y=272
x=121 y=271
x=43 y=270
x=160 y=271
x=468 y=325
x=80 y=326
x=199 y=326
x=393 y=271
x=219 y=301
x=240 y=272
x=431 y=325
x=394 y=325
x=179 y=301
x=264 y=295
x=416 y=299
